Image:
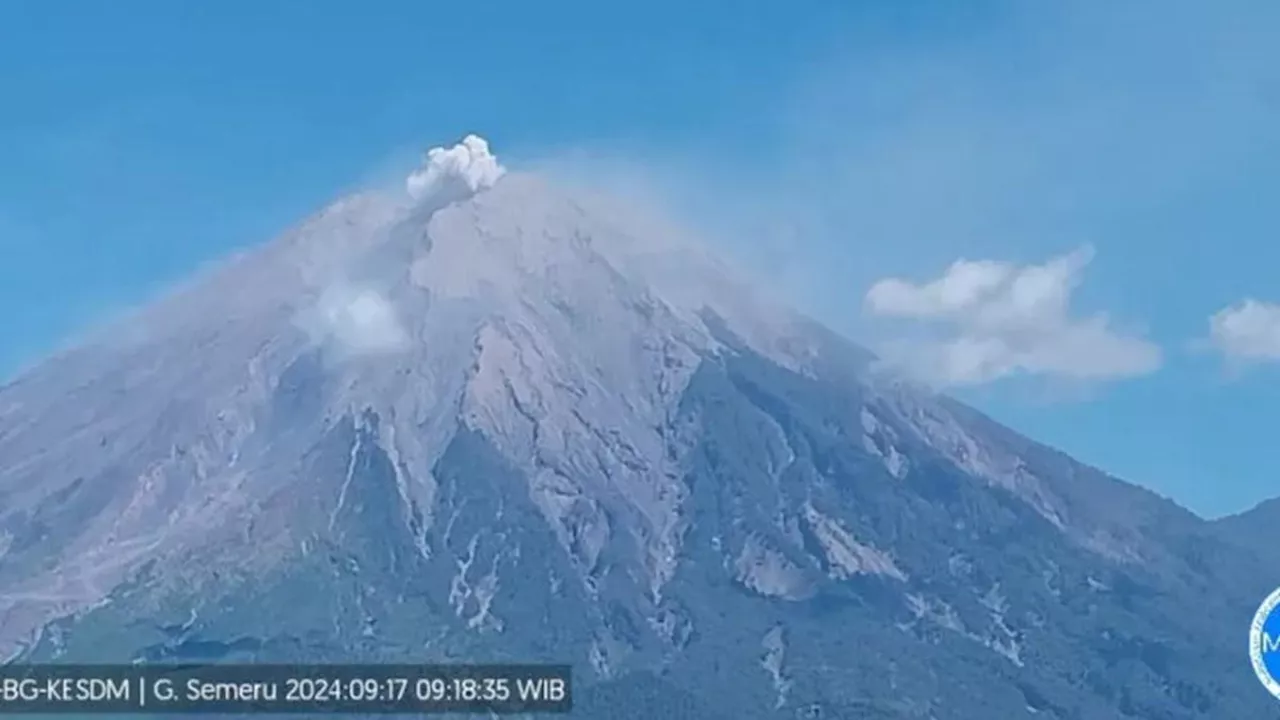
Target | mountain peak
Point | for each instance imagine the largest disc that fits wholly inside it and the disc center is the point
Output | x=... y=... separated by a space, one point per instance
x=500 y=308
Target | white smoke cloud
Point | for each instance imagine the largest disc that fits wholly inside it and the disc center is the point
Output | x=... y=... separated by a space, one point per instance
x=459 y=171
x=1248 y=331
x=1000 y=319
x=360 y=322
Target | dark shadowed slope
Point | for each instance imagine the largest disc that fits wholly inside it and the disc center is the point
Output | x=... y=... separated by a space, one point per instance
x=1255 y=531
x=506 y=428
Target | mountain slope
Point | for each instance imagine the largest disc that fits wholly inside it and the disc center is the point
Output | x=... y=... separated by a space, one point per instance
x=1254 y=530
x=489 y=422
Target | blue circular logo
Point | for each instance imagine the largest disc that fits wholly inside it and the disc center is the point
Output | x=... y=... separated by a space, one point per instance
x=1264 y=643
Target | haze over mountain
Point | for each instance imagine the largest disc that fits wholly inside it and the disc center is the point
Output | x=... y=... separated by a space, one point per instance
x=485 y=419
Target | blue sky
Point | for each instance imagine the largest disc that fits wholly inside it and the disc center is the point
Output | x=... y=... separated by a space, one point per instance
x=837 y=144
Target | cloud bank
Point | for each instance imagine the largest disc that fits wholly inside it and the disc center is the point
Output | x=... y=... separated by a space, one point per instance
x=988 y=319
x=461 y=170
x=1248 y=331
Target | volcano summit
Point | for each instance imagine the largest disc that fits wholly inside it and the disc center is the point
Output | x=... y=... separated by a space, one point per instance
x=483 y=420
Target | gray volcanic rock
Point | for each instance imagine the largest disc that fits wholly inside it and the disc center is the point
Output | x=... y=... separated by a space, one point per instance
x=501 y=425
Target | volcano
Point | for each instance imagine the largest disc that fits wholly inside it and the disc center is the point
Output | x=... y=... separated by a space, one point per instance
x=488 y=420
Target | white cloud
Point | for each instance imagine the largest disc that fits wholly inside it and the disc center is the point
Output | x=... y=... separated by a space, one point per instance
x=459 y=171
x=991 y=319
x=361 y=322
x=1247 y=331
